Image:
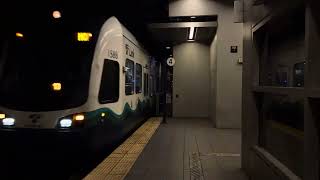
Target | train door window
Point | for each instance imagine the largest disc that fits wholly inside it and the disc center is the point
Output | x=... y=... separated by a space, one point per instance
x=109 y=87
x=146 y=84
x=138 y=78
x=129 y=77
x=151 y=85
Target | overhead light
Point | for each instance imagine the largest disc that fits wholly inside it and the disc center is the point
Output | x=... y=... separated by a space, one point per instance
x=193 y=17
x=19 y=35
x=56 y=14
x=168 y=47
x=191 y=33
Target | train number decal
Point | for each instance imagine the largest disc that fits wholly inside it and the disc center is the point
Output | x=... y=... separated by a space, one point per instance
x=129 y=51
x=113 y=54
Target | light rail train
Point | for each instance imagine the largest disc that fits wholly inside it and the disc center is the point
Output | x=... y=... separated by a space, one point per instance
x=71 y=87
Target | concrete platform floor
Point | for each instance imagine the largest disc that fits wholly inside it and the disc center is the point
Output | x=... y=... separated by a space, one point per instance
x=190 y=149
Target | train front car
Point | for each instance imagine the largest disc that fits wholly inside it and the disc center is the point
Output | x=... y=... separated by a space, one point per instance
x=54 y=107
x=45 y=76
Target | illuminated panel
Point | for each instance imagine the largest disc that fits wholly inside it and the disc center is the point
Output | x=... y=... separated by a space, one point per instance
x=84 y=36
x=56 y=86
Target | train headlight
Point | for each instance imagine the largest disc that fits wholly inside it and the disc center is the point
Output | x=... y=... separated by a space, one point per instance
x=8 y=121
x=72 y=121
x=65 y=123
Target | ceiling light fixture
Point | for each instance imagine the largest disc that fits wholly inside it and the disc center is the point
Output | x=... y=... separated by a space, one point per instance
x=191 y=33
x=56 y=14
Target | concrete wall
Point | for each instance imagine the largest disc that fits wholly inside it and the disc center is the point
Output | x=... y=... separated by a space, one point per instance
x=213 y=79
x=229 y=74
x=191 y=80
x=192 y=7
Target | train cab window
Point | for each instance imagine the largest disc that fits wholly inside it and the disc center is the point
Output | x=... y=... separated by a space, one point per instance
x=138 y=78
x=146 y=84
x=109 y=87
x=129 y=77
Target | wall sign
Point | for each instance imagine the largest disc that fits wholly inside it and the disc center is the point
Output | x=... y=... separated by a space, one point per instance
x=234 y=49
x=171 y=61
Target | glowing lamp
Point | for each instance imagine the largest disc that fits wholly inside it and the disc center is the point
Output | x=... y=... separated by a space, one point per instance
x=8 y=121
x=2 y=116
x=65 y=123
x=78 y=117
x=19 y=35
x=84 y=36
x=56 y=14
x=56 y=86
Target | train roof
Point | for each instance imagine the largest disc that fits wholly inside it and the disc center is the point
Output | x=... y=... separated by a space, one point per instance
x=115 y=24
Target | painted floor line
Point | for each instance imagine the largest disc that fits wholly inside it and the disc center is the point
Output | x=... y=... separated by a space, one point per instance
x=118 y=164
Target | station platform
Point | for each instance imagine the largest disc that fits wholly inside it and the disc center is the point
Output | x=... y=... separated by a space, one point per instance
x=182 y=149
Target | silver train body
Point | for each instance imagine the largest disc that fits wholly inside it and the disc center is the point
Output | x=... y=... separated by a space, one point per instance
x=115 y=103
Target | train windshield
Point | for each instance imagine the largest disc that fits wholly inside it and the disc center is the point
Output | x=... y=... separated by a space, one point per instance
x=46 y=65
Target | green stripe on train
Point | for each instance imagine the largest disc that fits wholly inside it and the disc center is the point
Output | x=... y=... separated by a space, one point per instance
x=111 y=114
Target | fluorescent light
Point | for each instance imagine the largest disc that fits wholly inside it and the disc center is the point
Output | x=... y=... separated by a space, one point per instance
x=65 y=123
x=191 y=32
x=193 y=17
x=168 y=47
x=8 y=121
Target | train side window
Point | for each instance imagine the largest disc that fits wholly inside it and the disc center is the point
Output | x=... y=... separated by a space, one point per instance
x=109 y=87
x=138 y=78
x=129 y=77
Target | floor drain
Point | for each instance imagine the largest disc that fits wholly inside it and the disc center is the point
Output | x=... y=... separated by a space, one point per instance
x=196 y=172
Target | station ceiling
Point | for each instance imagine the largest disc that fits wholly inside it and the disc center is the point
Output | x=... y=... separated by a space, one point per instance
x=136 y=15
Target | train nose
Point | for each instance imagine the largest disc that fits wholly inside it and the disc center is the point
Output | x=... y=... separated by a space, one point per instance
x=33 y=120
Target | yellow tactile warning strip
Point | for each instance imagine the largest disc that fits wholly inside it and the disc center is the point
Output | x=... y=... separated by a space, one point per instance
x=119 y=162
